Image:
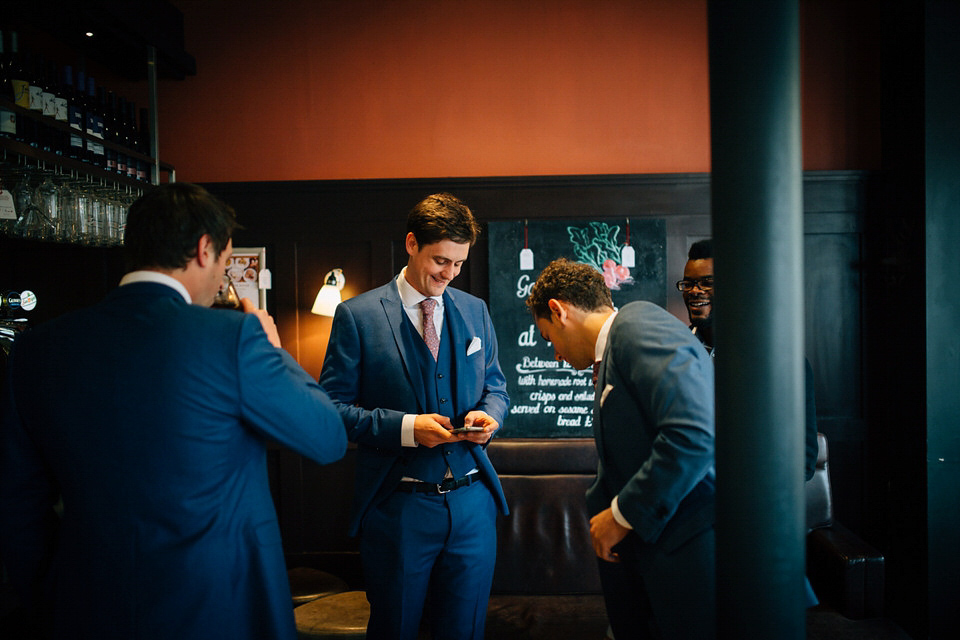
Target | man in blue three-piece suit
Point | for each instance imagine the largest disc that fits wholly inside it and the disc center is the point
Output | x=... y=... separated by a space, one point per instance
x=409 y=365
x=652 y=504
x=148 y=414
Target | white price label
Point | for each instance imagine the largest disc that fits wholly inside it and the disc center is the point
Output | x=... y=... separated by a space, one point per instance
x=526 y=260
x=7 y=209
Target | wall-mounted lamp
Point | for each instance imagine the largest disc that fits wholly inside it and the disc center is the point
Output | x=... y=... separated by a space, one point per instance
x=329 y=296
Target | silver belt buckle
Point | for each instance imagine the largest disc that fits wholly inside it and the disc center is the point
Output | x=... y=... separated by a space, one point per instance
x=440 y=489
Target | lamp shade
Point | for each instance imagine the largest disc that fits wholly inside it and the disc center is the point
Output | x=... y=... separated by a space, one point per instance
x=329 y=295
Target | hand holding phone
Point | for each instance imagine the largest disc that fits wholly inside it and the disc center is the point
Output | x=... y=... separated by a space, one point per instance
x=467 y=429
x=478 y=427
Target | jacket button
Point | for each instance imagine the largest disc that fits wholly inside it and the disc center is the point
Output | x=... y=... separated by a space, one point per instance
x=443 y=400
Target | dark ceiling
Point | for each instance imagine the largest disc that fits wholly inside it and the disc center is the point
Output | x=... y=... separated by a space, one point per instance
x=122 y=32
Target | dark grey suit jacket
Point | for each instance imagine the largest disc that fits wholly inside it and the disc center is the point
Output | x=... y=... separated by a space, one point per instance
x=654 y=428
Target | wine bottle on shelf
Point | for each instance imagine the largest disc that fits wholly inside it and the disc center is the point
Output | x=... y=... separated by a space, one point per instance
x=48 y=96
x=100 y=111
x=143 y=170
x=75 y=115
x=82 y=103
x=121 y=136
x=35 y=91
x=61 y=112
x=132 y=124
x=8 y=117
x=47 y=89
x=109 y=154
x=121 y=132
x=61 y=99
x=19 y=80
x=110 y=116
x=19 y=87
x=94 y=125
x=89 y=121
x=31 y=127
x=136 y=142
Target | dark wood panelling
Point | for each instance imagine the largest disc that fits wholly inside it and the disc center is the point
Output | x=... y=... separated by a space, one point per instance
x=312 y=227
x=309 y=228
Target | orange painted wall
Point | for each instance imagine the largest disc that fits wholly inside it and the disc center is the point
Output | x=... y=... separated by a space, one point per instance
x=340 y=89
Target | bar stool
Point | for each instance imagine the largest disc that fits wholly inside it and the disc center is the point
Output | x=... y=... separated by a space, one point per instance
x=308 y=584
x=341 y=616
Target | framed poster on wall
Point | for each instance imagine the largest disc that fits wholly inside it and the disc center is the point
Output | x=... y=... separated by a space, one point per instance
x=551 y=399
x=248 y=271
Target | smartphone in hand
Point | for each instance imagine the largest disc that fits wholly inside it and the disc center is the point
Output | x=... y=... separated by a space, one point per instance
x=466 y=429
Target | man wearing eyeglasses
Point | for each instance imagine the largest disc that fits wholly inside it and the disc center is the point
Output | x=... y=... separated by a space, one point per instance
x=697 y=290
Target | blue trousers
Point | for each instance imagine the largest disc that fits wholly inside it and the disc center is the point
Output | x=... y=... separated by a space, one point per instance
x=415 y=544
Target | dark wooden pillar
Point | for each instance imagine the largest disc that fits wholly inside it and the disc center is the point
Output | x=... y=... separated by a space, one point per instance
x=757 y=214
x=942 y=223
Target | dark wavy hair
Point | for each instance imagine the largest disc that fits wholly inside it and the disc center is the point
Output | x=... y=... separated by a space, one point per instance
x=575 y=283
x=165 y=224
x=442 y=216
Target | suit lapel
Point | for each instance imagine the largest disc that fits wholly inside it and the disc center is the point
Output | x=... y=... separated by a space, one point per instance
x=395 y=314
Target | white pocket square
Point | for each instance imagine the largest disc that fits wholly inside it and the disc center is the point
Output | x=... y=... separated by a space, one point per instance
x=606 y=391
x=474 y=346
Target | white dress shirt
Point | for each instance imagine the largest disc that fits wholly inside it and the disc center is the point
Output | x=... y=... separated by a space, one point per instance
x=159 y=278
x=411 y=299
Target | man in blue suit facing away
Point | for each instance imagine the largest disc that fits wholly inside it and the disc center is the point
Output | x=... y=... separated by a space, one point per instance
x=148 y=414
x=652 y=504
x=408 y=364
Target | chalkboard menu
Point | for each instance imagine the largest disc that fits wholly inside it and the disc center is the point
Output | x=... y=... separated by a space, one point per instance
x=549 y=398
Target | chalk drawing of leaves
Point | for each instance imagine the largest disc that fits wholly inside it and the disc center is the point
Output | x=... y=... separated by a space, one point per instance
x=581 y=245
x=597 y=245
x=607 y=239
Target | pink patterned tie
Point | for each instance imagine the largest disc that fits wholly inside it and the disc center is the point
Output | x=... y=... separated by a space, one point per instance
x=430 y=329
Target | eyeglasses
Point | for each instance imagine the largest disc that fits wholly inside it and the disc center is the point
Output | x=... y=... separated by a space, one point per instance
x=705 y=284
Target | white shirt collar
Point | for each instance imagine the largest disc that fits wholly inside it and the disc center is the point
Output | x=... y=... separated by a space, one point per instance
x=602 y=338
x=410 y=296
x=159 y=278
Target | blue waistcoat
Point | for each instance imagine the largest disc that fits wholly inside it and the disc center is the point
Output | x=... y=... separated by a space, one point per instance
x=430 y=463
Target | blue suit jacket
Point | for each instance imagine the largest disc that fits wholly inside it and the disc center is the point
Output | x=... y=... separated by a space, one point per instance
x=654 y=427
x=370 y=372
x=149 y=416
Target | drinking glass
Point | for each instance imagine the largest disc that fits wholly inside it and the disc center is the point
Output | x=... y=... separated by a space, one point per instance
x=31 y=223
x=7 y=224
x=47 y=199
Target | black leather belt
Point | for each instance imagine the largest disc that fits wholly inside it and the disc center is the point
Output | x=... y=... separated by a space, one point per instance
x=446 y=486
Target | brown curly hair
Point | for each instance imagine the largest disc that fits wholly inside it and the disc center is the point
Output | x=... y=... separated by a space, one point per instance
x=576 y=283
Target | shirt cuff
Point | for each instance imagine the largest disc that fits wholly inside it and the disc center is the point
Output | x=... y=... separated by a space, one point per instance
x=615 y=508
x=407 y=438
